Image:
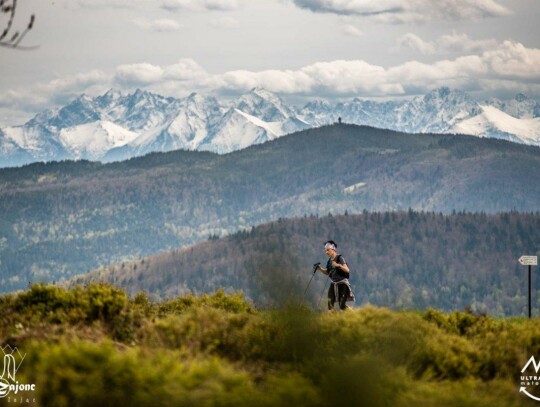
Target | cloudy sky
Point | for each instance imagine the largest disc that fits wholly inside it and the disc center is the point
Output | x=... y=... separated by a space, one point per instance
x=300 y=49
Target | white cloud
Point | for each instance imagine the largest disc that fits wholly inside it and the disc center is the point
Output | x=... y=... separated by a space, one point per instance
x=458 y=43
x=408 y=11
x=417 y=44
x=138 y=74
x=462 y=43
x=161 y=25
x=145 y=74
x=508 y=67
x=352 y=31
x=185 y=70
x=43 y=95
x=510 y=61
x=97 y=4
x=222 y=5
x=224 y=22
x=514 y=60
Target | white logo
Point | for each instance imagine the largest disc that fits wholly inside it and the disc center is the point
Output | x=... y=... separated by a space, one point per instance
x=12 y=359
x=530 y=381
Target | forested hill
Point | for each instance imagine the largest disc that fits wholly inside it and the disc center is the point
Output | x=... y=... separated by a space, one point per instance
x=399 y=259
x=61 y=219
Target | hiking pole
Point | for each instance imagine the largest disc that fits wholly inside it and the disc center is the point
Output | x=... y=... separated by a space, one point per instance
x=313 y=275
x=320 y=298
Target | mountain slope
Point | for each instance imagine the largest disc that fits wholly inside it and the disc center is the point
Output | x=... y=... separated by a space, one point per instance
x=495 y=123
x=436 y=112
x=61 y=219
x=398 y=259
x=147 y=122
x=93 y=140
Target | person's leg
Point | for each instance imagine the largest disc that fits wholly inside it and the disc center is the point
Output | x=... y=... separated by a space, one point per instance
x=331 y=297
x=343 y=292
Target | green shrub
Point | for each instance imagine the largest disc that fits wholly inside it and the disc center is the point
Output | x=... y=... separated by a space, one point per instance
x=80 y=304
x=216 y=350
x=89 y=374
x=234 y=302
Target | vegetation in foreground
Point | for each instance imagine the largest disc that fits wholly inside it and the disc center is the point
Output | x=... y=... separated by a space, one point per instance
x=94 y=345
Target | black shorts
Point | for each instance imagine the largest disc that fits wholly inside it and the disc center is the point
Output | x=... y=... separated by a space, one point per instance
x=343 y=295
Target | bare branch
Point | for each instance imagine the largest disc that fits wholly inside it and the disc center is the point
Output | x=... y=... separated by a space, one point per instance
x=9 y=7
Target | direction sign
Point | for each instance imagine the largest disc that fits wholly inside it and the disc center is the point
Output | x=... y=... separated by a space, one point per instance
x=528 y=260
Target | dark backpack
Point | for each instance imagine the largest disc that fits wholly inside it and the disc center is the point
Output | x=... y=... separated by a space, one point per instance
x=340 y=273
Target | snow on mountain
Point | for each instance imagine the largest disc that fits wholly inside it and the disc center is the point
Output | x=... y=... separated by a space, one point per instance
x=254 y=118
x=240 y=130
x=492 y=122
x=317 y=112
x=520 y=106
x=93 y=140
x=368 y=112
x=115 y=126
x=264 y=105
x=82 y=110
x=142 y=111
x=435 y=112
x=37 y=140
x=195 y=120
x=11 y=154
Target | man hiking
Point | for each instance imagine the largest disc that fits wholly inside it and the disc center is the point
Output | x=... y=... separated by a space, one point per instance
x=338 y=271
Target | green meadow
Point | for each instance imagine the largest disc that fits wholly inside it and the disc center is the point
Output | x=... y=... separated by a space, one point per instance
x=96 y=346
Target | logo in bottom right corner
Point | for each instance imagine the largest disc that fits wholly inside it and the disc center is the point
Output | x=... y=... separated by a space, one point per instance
x=530 y=379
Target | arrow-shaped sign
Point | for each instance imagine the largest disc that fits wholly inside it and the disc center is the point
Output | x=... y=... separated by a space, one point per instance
x=528 y=260
x=524 y=390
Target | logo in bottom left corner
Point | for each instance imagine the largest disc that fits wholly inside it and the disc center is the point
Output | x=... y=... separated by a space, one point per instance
x=12 y=361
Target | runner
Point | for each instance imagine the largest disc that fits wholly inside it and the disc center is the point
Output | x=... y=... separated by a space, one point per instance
x=338 y=271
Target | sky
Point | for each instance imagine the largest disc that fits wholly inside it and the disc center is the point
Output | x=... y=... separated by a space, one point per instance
x=299 y=49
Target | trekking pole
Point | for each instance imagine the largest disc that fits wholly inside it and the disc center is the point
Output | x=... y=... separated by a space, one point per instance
x=320 y=298
x=313 y=275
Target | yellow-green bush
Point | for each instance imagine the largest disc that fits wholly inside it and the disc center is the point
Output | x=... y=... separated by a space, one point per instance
x=82 y=373
x=234 y=302
x=92 y=345
x=80 y=304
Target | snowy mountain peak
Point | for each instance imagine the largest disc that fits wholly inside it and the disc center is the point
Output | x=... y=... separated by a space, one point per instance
x=139 y=92
x=262 y=92
x=492 y=122
x=93 y=140
x=79 y=111
x=83 y=98
x=111 y=95
x=143 y=98
x=196 y=99
x=521 y=106
x=114 y=126
x=447 y=95
x=263 y=104
x=318 y=104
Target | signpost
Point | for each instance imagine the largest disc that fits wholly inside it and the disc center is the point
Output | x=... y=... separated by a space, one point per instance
x=529 y=261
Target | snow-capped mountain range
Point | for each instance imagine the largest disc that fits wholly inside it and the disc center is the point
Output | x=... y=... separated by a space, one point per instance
x=115 y=126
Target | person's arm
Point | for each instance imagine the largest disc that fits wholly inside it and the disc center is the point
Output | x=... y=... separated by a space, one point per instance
x=322 y=270
x=341 y=266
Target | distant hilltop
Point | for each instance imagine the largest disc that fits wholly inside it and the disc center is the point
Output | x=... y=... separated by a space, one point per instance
x=116 y=126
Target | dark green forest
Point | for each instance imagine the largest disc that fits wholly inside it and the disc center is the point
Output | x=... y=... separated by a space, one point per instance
x=61 y=219
x=402 y=260
x=95 y=346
